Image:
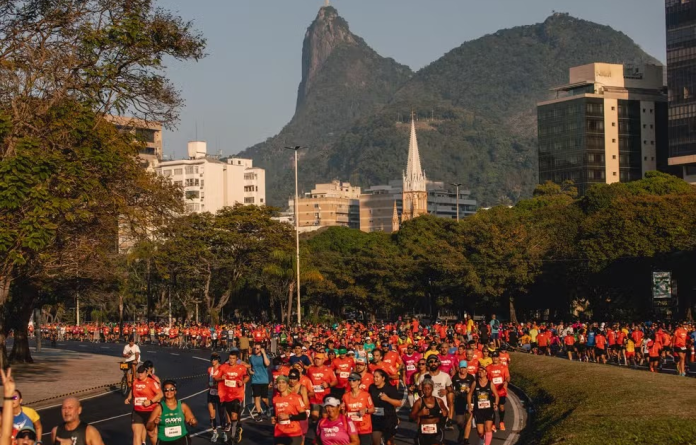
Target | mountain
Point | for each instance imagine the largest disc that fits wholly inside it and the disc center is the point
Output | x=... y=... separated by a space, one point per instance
x=343 y=79
x=476 y=106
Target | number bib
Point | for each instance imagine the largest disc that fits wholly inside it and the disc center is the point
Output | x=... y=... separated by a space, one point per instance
x=430 y=428
x=172 y=431
x=318 y=388
x=410 y=367
x=355 y=417
x=344 y=375
x=484 y=404
x=379 y=411
x=497 y=380
x=284 y=422
x=139 y=401
x=231 y=383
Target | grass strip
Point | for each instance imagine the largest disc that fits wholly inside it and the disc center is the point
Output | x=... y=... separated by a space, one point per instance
x=587 y=404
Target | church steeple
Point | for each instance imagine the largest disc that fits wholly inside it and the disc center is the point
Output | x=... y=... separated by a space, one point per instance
x=414 y=178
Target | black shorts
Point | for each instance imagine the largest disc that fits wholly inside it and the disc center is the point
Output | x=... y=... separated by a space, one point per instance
x=680 y=350
x=667 y=349
x=600 y=352
x=580 y=348
x=234 y=406
x=295 y=440
x=385 y=425
x=535 y=345
x=654 y=359
x=543 y=349
x=461 y=407
x=140 y=417
x=484 y=415
x=259 y=390
x=502 y=400
x=186 y=440
x=215 y=400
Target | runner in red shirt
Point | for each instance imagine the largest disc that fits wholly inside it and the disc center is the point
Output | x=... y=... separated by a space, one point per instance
x=499 y=375
x=600 y=348
x=289 y=410
x=680 y=337
x=359 y=408
x=366 y=377
x=569 y=342
x=232 y=378
x=342 y=367
x=146 y=394
x=323 y=378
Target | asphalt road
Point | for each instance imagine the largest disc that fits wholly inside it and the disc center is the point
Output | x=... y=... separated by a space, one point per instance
x=112 y=418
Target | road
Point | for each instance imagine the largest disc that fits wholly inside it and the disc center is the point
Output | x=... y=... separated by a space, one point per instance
x=112 y=418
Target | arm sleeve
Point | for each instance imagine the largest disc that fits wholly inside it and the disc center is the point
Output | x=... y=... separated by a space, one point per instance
x=300 y=416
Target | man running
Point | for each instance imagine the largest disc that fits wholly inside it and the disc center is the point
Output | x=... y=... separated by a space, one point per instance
x=73 y=431
x=215 y=408
x=232 y=378
x=499 y=375
x=131 y=354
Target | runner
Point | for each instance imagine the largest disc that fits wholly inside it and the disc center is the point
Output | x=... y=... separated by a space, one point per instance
x=443 y=386
x=323 y=378
x=386 y=400
x=483 y=399
x=170 y=417
x=289 y=410
x=499 y=375
x=73 y=431
x=359 y=408
x=26 y=435
x=429 y=412
x=232 y=378
x=24 y=416
x=342 y=366
x=680 y=338
x=462 y=383
x=259 y=379
x=336 y=428
x=215 y=408
x=411 y=360
x=131 y=353
x=366 y=377
x=302 y=386
x=145 y=394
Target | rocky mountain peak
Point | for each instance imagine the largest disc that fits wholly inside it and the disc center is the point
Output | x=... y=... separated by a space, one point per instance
x=324 y=35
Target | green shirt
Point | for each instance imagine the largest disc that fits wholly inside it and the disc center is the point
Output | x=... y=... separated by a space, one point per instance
x=172 y=424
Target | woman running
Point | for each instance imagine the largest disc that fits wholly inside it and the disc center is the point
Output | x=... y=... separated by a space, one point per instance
x=359 y=408
x=483 y=400
x=336 y=428
x=170 y=417
x=386 y=400
x=289 y=410
x=146 y=395
x=430 y=413
x=297 y=386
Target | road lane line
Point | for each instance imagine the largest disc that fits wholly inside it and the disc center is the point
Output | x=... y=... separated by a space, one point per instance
x=173 y=353
x=86 y=398
x=201 y=358
x=519 y=421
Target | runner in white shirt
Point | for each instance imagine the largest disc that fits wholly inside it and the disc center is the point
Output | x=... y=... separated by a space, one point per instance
x=131 y=353
x=442 y=388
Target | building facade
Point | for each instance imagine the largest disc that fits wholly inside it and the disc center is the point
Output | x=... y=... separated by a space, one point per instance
x=681 y=82
x=609 y=124
x=334 y=204
x=380 y=207
x=442 y=202
x=148 y=132
x=210 y=184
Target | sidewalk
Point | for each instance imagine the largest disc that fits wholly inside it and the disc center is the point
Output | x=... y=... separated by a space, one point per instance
x=57 y=372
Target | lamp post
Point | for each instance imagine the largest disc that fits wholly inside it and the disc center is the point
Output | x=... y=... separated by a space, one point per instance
x=297 y=237
x=457 y=185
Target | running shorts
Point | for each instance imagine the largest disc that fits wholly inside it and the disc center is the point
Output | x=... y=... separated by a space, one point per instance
x=259 y=390
x=215 y=400
x=295 y=440
x=502 y=400
x=186 y=440
x=484 y=415
x=234 y=406
x=140 y=417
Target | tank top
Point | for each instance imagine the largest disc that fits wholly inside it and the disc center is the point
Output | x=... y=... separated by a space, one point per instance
x=172 y=424
x=78 y=435
x=483 y=396
x=435 y=411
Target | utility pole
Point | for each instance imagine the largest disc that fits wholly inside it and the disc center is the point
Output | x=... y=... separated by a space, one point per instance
x=457 y=185
x=297 y=237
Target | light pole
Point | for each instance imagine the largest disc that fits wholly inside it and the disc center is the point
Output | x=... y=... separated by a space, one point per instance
x=297 y=237
x=457 y=185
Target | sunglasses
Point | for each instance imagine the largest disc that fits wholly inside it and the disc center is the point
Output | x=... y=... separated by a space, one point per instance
x=421 y=364
x=169 y=389
x=293 y=378
x=15 y=397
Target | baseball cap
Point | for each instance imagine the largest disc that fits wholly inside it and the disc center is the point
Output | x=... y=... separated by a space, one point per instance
x=354 y=376
x=27 y=431
x=141 y=368
x=342 y=350
x=332 y=401
x=360 y=360
x=234 y=351
x=294 y=374
x=463 y=364
x=282 y=378
x=320 y=355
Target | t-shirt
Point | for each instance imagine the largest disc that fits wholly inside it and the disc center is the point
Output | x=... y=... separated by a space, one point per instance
x=447 y=362
x=132 y=351
x=319 y=375
x=498 y=374
x=21 y=421
x=260 y=375
x=382 y=407
x=336 y=432
x=231 y=387
x=442 y=380
x=144 y=390
x=354 y=404
x=343 y=367
x=291 y=405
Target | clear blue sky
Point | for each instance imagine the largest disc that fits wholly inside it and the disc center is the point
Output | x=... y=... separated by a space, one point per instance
x=244 y=91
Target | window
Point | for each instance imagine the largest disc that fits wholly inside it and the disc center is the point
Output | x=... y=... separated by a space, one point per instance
x=193 y=207
x=248 y=188
x=202 y=183
x=189 y=169
x=192 y=194
x=614 y=173
x=613 y=141
x=613 y=124
x=167 y=173
x=613 y=156
x=179 y=183
x=249 y=176
x=178 y=171
x=249 y=200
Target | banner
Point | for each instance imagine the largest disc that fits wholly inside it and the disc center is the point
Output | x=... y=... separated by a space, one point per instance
x=662 y=285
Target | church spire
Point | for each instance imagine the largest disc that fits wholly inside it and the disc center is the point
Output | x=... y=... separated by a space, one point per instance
x=414 y=178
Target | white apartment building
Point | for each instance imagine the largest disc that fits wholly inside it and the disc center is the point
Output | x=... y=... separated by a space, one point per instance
x=210 y=184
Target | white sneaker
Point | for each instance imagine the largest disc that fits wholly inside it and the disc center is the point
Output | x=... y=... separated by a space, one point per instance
x=224 y=437
x=215 y=436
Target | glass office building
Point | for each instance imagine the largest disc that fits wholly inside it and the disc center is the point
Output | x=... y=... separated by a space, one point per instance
x=681 y=81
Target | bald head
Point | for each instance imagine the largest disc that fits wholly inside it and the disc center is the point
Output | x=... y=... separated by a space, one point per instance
x=71 y=410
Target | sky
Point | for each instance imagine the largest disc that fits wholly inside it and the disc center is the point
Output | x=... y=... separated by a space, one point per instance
x=245 y=90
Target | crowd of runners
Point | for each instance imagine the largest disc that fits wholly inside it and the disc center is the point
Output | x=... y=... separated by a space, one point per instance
x=344 y=383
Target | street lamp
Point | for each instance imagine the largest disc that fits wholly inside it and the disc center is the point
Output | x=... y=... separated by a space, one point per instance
x=457 y=185
x=297 y=237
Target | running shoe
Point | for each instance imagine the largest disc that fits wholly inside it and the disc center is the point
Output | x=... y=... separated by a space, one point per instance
x=238 y=438
x=501 y=427
x=214 y=438
x=224 y=437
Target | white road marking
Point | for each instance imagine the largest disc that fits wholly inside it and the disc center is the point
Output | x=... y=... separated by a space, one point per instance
x=173 y=353
x=201 y=358
x=519 y=420
x=86 y=398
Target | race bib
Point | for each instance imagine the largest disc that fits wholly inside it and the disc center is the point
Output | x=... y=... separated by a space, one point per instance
x=213 y=391
x=231 y=383
x=344 y=375
x=484 y=404
x=139 y=401
x=172 y=431
x=379 y=411
x=318 y=388
x=497 y=380
x=430 y=428
x=410 y=367
x=356 y=417
x=284 y=422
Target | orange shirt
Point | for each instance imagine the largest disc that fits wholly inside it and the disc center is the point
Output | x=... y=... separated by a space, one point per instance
x=600 y=341
x=497 y=374
x=472 y=367
x=353 y=406
x=318 y=375
x=291 y=405
x=144 y=390
x=366 y=380
x=505 y=359
x=569 y=340
x=388 y=368
x=231 y=387
x=343 y=367
x=680 y=338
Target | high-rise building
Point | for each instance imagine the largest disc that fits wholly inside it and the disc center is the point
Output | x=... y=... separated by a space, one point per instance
x=442 y=201
x=608 y=124
x=415 y=195
x=210 y=184
x=380 y=207
x=148 y=132
x=681 y=82
x=334 y=204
